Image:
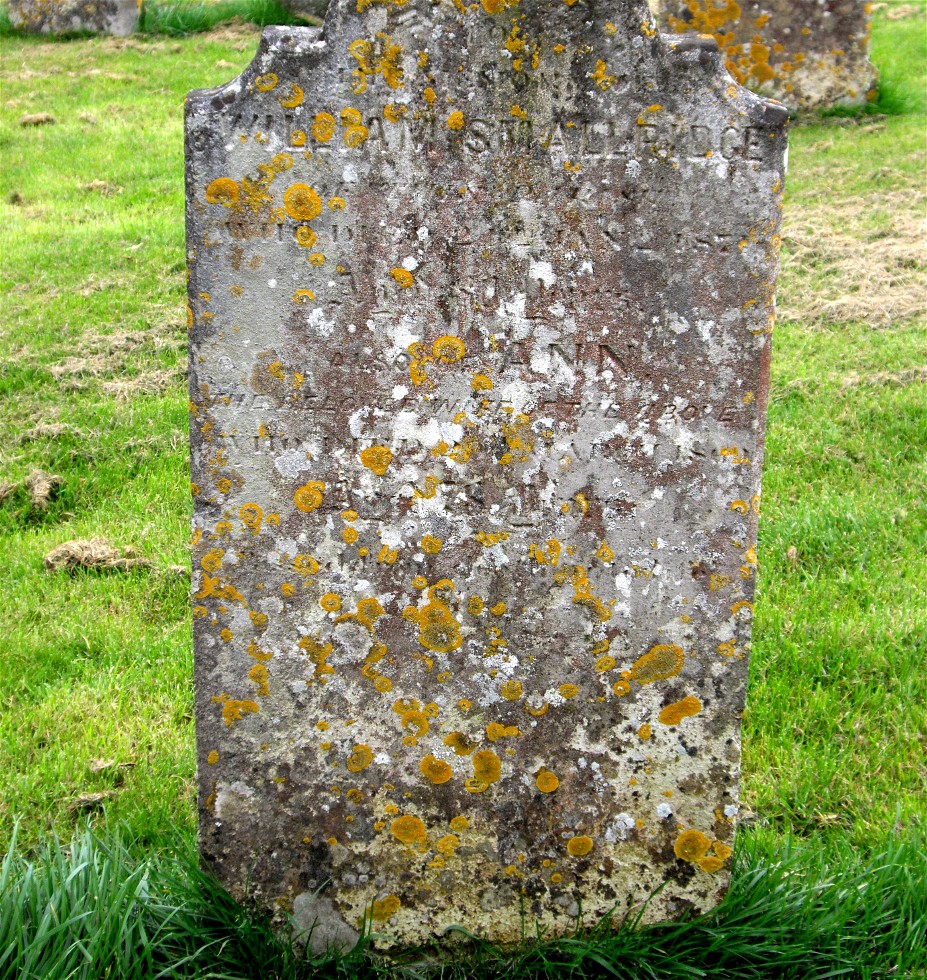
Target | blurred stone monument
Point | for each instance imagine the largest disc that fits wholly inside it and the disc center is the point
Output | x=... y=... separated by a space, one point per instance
x=808 y=54
x=480 y=302
x=117 y=17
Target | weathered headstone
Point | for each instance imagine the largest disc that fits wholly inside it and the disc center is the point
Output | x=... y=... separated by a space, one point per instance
x=809 y=54
x=481 y=300
x=117 y=17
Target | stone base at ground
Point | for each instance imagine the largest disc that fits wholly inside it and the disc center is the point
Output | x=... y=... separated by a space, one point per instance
x=116 y=17
x=805 y=53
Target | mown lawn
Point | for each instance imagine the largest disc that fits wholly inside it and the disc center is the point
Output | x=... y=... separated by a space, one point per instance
x=96 y=669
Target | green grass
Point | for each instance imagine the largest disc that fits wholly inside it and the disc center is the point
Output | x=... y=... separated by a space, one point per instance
x=98 y=666
x=96 y=909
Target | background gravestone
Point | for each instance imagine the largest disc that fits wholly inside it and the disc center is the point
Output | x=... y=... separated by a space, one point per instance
x=117 y=17
x=481 y=300
x=809 y=54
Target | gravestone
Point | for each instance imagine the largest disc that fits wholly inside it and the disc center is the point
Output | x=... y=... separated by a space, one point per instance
x=809 y=54
x=117 y=17
x=480 y=302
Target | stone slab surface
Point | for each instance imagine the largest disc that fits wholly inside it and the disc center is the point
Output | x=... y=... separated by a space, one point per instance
x=480 y=306
x=809 y=54
x=116 y=17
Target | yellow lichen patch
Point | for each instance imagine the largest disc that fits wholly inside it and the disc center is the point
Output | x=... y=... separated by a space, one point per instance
x=265 y=83
x=568 y=691
x=722 y=849
x=645 y=731
x=224 y=191
x=402 y=276
x=583 y=595
x=658 y=664
x=691 y=845
x=330 y=602
x=409 y=830
x=605 y=554
x=475 y=605
x=511 y=690
x=673 y=714
x=448 y=844
x=601 y=76
x=355 y=136
x=498 y=609
x=438 y=629
x=212 y=560
x=213 y=757
x=349 y=534
x=481 y=382
x=431 y=545
x=318 y=653
x=546 y=781
x=309 y=496
x=621 y=688
x=377 y=459
x=436 y=771
x=234 y=710
x=385 y=908
x=303 y=296
x=301 y=202
x=305 y=565
x=416 y=723
x=495 y=731
x=360 y=757
x=459 y=743
x=448 y=349
x=323 y=129
x=487 y=768
x=368 y=612
x=393 y=111
x=305 y=236
x=580 y=846
x=458 y=824
x=387 y=555
x=419 y=582
x=546 y=556
x=605 y=664
x=455 y=120
x=710 y=864
x=258 y=674
x=490 y=538
x=293 y=99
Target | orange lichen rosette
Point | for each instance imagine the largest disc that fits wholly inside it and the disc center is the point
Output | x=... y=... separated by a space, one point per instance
x=377 y=459
x=301 y=202
x=309 y=497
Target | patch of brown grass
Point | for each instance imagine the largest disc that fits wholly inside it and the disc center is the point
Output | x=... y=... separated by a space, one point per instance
x=48 y=430
x=97 y=555
x=839 y=263
x=40 y=486
x=107 y=359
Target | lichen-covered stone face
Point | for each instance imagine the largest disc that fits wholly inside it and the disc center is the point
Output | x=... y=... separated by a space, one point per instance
x=480 y=306
x=809 y=54
x=117 y=17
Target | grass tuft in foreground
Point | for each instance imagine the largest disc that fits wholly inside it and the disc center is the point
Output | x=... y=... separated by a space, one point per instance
x=96 y=909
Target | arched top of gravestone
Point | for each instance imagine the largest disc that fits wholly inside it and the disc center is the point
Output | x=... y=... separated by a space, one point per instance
x=525 y=64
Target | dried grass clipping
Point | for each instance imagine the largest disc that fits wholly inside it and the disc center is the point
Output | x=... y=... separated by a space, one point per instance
x=42 y=488
x=862 y=260
x=97 y=554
